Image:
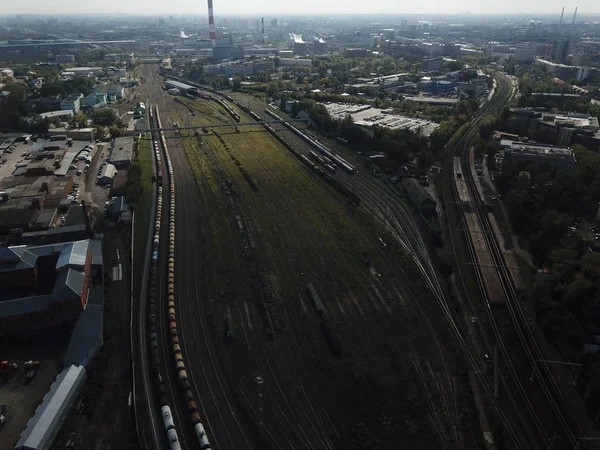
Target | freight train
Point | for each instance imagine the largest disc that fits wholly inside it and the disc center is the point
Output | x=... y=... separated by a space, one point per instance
x=188 y=395
x=324 y=151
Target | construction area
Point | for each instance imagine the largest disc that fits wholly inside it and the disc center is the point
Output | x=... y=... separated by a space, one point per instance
x=302 y=327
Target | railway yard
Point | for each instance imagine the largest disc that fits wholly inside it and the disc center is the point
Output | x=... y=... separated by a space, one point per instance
x=542 y=416
x=264 y=366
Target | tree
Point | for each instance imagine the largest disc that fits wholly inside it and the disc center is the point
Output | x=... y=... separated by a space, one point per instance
x=114 y=131
x=52 y=89
x=17 y=90
x=237 y=84
x=425 y=159
x=105 y=117
x=78 y=120
x=491 y=148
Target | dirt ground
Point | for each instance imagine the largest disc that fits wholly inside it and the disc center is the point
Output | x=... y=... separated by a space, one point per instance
x=110 y=423
x=22 y=399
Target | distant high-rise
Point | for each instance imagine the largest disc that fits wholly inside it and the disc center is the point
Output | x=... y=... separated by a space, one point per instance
x=274 y=23
x=560 y=50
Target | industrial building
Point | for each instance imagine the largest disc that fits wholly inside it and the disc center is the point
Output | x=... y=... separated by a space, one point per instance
x=106 y=176
x=230 y=51
x=556 y=156
x=87 y=338
x=63 y=114
x=44 y=286
x=83 y=72
x=367 y=116
x=94 y=99
x=561 y=129
x=172 y=84
x=22 y=200
x=294 y=62
x=65 y=58
x=122 y=152
x=43 y=428
x=419 y=196
x=299 y=46
x=565 y=71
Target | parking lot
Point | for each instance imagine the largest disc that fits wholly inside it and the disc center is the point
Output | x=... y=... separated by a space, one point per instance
x=20 y=395
x=10 y=158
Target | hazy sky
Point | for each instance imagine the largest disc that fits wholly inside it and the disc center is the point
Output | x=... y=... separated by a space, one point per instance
x=274 y=7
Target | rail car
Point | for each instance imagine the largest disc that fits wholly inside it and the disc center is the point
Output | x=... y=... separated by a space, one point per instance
x=345 y=165
x=160 y=142
x=316 y=300
x=457 y=167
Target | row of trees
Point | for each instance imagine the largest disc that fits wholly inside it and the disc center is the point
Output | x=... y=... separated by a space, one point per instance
x=543 y=202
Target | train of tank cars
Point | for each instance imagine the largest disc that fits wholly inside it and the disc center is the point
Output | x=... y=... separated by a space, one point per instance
x=164 y=166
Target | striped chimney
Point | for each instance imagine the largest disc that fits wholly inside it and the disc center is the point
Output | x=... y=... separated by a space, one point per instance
x=211 y=24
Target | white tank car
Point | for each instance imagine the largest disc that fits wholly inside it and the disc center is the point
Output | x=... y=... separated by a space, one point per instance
x=173 y=440
x=201 y=436
x=167 y=418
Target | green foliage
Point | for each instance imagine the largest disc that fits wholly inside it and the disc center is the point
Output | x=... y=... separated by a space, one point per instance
x=542 y=206
x=79 y=120
x=133 y=189
x=114 y=131
x=105 y=117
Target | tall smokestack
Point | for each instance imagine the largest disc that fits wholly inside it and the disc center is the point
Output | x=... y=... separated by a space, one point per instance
x=574 y=15
x=211 y=24
x=263 y=30
x=561 y=16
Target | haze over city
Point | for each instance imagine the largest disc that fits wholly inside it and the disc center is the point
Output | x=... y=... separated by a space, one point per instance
x=302 y=225
x=309 y=7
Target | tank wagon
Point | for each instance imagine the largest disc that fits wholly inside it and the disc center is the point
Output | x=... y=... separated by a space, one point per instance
x=164 y=166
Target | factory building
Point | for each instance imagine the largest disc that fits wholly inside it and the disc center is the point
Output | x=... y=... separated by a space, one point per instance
x=43 y=428
x=263 y=65
x=56 y=277
x=294 y=62
x=65 y=58
x=556 y=156
x=418 y=196
x=83 y=72
x=357 y=53
x=228 y=52
x=122 y=152
x=298 y=45
x=320 y=46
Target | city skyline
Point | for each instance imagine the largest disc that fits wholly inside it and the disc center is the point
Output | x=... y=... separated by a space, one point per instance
x=271 y=7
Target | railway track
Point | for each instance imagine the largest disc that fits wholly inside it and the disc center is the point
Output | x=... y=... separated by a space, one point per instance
x=205 y=373
x=569 y=429
x=397 y=220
